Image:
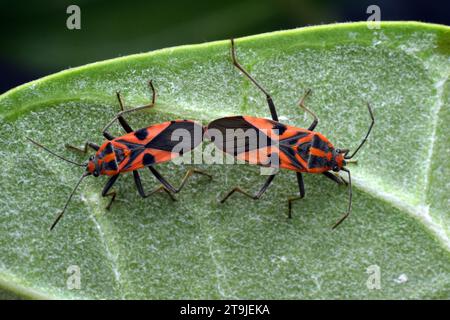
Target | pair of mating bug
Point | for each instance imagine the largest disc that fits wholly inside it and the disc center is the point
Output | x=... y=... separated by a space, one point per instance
x=297 y=149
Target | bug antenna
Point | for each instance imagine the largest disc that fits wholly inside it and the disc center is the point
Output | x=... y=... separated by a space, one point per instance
x=68 y=200
x=367 y=134
x=53 y=153
x=349 y=210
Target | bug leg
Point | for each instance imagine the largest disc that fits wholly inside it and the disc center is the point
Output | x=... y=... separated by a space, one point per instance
x=301 y=188
x=121 y=119
x=171 y=188
x=108 y=136
x=83 y=150
x=122 y=112
x=254 y=197
x=107 y=187
x=335 y=177
x=272 y=108
x=137 y=180
x=349 y=209
x=313 y=125
x=161 y=179
x=188 y=174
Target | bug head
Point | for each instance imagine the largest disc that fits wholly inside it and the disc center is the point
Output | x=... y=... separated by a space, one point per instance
x=338 y=160
x=93 y=166
x=105 y=160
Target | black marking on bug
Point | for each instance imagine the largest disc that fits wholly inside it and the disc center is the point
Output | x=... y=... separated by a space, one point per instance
x=294 y=139
x=164 y=141
x=290 y=142
x=319 y=144
x=280 y=127
x=237 y=122
x=111 y=165
x=141 y=134
x=303 y=150
x=133 y=155
x=240 y=134
x=317 y=162
x=290 y=153
x=130 y=145
x=109 y=148
x=119 y=154
x=148 y=159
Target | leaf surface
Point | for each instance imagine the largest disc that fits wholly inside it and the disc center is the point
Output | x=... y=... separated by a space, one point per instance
x=198 y=248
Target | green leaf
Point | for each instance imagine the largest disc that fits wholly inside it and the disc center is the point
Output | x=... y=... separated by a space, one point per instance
x=198 y=248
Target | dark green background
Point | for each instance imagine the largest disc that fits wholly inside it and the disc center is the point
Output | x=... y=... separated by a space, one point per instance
x=35 y=41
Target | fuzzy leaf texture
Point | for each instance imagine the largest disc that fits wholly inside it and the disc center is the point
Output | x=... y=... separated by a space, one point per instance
x=197 y=248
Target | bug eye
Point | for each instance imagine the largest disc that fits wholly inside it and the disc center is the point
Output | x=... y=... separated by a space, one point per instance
x=338 y=150
x=336 y=168
x=95 y=173
x=91 y=158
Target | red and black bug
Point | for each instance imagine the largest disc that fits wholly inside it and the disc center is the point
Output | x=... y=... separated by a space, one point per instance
x=279 y=145
x=145 y=147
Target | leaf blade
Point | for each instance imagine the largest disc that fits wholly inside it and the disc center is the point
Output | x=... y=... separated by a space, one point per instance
x=153 y=249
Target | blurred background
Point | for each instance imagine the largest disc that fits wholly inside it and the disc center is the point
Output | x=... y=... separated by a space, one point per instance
x=36 y=42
